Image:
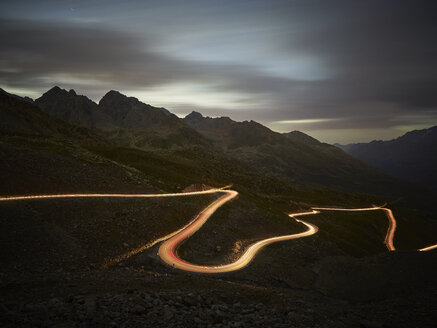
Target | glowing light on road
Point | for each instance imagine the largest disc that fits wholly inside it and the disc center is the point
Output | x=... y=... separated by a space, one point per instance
x=168 y=248
x=181 y=194
x=111 y=261
x=425 y=249
x=388 y=241
x=168 y=254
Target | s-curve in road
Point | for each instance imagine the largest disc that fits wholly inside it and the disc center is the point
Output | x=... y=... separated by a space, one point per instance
x=388 y=241
x=168 y=249
x=171 y=242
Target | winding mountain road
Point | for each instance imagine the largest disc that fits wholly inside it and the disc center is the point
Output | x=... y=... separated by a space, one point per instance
x=388 y=241
x=168 y=249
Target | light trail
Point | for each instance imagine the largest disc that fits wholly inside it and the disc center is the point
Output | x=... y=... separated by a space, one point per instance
x=117 y=259
x=168 y=249
x=111 y=261
x=203 y=192
x=389 y=237
x=425 y=249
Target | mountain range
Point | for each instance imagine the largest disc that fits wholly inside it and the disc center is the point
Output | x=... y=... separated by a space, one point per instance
x=79 y=261
x=412 y=156
x=118 y=117
x=215 y=149
x=131 y=123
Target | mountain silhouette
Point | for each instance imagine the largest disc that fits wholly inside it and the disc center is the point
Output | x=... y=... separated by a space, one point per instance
x=412 y=156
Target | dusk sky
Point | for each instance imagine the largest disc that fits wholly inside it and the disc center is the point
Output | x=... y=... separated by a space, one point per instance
x=341 y=71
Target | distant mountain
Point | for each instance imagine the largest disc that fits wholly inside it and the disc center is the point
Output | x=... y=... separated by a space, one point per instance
x=124 y=120
x=28 y=99
x=229 y=134
x=72 y=108
x=301 y=137
x=412 y=156
x=213 y=144
x=129 y=112
x=294 y=155
x=19 y=116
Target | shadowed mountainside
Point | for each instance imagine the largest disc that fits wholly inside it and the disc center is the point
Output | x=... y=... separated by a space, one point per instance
x=52 y=250
x=301 y=137
x=125 y=120
x=72 y=108
x=294 y=156
x=21 y=117
x=412 y=156
x=295 y=159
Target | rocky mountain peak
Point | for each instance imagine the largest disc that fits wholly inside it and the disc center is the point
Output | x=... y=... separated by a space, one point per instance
x=131 y=112
x=54 y=91
x=194 y=116
x=57 y=92
x=68 y=106
x=117 y=105
x=301 y=137
x=114 y=96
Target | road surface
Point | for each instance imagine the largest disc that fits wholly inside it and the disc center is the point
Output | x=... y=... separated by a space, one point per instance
x=180 y=194
x=171 y=242
x=168 y=249
x=390 y=235
x=428 y=248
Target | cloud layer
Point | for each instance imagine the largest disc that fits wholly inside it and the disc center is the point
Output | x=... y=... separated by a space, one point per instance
x=310 y=65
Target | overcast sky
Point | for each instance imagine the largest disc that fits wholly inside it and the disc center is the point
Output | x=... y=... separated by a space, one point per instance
x=341 y=71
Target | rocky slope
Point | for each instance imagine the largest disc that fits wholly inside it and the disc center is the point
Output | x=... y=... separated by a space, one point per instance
x=295 y=159
x=53 y=253
x=72 y=108
x=22 y=117
x=296 y=156
x=129 y=112
x=301 y=137
x=124 y=120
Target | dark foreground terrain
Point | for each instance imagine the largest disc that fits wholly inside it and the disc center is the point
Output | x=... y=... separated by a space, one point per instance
x=148 y=294
x=61 y=267
x=90 y=263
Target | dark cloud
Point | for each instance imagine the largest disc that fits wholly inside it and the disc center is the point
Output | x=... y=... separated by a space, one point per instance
x=32 y=50
x=378 y=51
x=374 y=61
x=38 y=49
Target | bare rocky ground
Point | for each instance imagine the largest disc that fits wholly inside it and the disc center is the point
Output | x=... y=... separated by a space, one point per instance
x=152 y=295
x=387 y=290
x=53 y=253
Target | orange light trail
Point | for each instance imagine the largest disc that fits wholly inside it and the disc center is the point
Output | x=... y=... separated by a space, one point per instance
x=168 y=249
x=203 y=192
x=428 y=248
x=388 y=241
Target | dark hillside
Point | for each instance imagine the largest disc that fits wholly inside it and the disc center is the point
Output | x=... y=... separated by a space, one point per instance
x=412 y=156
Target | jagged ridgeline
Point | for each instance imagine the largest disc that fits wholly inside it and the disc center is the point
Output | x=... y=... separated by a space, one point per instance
x=198 y=149
x=130 y=123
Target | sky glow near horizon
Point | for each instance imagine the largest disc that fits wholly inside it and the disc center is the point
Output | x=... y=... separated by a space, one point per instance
x=340 y=71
